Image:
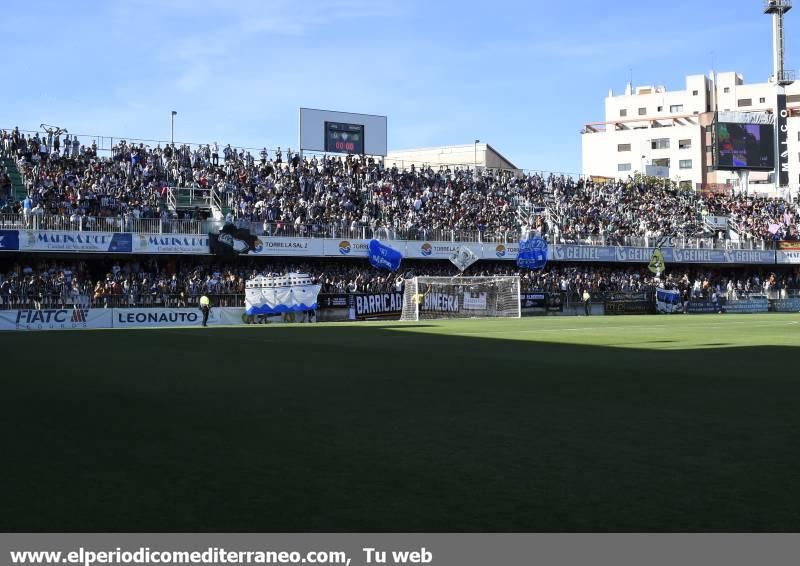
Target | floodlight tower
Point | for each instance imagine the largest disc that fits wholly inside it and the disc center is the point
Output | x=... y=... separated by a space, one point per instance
x=777 y=9
x=781 y=78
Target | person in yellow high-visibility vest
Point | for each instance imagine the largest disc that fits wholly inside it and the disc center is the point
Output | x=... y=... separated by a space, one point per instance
x=205 y=307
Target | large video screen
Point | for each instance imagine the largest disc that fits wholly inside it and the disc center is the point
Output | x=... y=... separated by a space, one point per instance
x=344 y=138
x=745 y=146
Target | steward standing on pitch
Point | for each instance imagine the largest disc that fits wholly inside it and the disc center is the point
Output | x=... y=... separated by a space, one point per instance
x=205 y=307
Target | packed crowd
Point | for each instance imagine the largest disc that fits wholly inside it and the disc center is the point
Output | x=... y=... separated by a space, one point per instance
x=180 y=283
x=281 y=189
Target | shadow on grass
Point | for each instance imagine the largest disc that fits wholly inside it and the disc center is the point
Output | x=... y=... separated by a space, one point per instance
x=371 y=429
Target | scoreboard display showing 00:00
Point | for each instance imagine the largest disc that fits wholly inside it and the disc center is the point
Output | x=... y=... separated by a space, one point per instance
x=344 y=138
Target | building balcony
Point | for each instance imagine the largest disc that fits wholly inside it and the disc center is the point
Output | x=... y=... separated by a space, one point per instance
x=786 y=77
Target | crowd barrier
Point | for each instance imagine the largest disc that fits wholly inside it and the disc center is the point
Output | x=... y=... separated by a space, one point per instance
x=355 y=231
x=75 y=319
x=41 y=241
x=123 y=301
x=343 y=307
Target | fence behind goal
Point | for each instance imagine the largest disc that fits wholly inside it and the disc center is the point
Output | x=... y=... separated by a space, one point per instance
x=430 y=298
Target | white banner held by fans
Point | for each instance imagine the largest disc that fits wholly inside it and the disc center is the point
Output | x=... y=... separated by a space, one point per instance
x=463 y=258
x=269 y=295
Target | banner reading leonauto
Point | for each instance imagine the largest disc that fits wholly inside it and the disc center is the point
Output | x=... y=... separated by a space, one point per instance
x=137 y=318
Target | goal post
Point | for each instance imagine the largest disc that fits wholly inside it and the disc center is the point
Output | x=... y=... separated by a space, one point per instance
x=432 y=298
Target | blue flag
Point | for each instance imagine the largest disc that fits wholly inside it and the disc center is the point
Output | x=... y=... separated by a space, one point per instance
x=532 y=253
x=382 y=256
x=668 y=301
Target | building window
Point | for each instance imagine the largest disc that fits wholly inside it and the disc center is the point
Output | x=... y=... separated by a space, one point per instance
x=642 y=111
x=675 y=108
x=623 y=113
x=684 y=144
x=624 y=147
x=661 y=162
x=662 y=143
x=624 y=167
x=745 y=102
x=660 y=108
x=726 y=90
x=686 y=164
x=762 y=100
x=695 y=92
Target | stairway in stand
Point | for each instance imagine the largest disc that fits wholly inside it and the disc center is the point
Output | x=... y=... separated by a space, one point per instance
x=17 y=186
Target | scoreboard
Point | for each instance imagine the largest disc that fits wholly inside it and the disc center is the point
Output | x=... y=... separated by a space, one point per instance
x=344 y=138
x=331 y=131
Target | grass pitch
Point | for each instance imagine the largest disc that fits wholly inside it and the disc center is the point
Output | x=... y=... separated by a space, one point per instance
x=683 y=423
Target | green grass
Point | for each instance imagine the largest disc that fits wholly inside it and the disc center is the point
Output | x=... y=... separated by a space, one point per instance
x=677 y=423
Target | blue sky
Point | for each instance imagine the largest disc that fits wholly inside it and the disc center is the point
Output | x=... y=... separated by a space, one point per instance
x=523 y=76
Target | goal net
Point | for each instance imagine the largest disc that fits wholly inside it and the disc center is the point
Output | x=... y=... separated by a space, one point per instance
x=428 y=298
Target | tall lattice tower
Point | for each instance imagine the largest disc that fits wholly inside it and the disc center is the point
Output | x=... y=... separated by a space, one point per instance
x=777 y=9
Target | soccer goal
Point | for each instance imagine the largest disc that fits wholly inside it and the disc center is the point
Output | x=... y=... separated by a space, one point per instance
x=430 y=298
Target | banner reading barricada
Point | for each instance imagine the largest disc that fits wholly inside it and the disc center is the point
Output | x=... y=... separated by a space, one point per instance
x=378 y=305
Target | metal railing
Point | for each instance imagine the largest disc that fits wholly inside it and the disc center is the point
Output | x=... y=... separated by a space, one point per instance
x=106 y=224
x=19 y=301
x=183 y=197
x=358 y=231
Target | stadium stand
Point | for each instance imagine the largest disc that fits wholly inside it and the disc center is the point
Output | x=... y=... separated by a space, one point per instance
x=69 y=184
x=195 y=189
x=171 y=282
